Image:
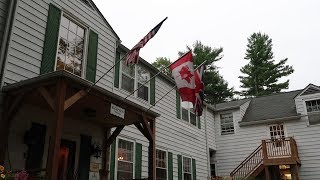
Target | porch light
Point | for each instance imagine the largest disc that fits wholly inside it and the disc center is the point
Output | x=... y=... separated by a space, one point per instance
x=96 y=150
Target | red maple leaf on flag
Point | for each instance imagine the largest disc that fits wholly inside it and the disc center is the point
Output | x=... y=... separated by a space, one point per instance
x=185 y=73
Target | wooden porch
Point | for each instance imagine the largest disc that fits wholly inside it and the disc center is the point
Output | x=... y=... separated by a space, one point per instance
x=269 y=153
x=67 y=95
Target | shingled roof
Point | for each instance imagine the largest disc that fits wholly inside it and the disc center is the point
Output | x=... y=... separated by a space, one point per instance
x=275 y=106
x=230 y=105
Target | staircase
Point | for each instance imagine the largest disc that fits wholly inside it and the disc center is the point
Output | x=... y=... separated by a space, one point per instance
x=249 y=165
x=270 y=152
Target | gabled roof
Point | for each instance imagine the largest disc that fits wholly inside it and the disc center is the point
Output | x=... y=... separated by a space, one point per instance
x=310 y=89
x=280 y=105
x=230 y=105
x=104 y=19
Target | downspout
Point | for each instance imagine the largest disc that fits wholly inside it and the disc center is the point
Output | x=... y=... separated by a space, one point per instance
x=207 y=149
x=6 y=38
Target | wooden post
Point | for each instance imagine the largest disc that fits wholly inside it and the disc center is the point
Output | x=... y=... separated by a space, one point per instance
x=104 y=172
x=264 y=149
x=294 y=171
x=56 y=131
x=4 y=132
x=266 y=169
x=152 y=152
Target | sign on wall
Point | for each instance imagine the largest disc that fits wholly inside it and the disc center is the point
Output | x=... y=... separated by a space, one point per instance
x=117 y=111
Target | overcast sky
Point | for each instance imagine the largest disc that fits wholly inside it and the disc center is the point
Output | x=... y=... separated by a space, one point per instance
x=293 y=26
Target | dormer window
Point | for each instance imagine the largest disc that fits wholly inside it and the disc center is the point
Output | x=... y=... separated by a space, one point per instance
x=313 y=105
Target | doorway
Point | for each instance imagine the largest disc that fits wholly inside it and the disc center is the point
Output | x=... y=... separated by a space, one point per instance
x=66 y=160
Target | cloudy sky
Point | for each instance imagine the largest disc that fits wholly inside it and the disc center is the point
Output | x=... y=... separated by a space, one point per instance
x=293 y=26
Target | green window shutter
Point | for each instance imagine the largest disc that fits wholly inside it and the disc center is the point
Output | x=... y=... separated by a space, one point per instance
x=170 y=166
x=84 y=157
x=50 y=40
x=138 y=163
x=194 y=169
x=199 y=122
x=117 y=70
x=179 y=167
x=178 y=105
x=152 y=90
x=92 y=57
x=112 y=160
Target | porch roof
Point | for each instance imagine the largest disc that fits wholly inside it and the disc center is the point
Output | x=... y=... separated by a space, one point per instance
x=73 y=81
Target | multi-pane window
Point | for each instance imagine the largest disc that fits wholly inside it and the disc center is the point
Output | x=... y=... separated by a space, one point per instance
x=188 y=114
x=71 y=46
x=128 y=77
x=125 y=159
x=187 y=168
x=133 y=77
x=313 y=105
x=227 y=126
x=142 y=77
x=161 y=164
x=276 y=132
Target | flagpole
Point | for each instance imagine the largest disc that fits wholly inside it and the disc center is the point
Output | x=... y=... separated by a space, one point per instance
x=174 y=87
x=116 y=63
x=161 y=70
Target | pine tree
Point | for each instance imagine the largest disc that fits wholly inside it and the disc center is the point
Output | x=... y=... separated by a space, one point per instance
x=263 y=73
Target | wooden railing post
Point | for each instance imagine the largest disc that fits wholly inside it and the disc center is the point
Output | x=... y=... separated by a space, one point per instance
x=293 y=148
x=264 y=149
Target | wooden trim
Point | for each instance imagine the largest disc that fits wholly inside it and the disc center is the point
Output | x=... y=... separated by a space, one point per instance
x=152 y=153
x=45 y=94
x=104 y=171
x=114 y=135
x=57 y=126
x=266 y=169
x=146 y=126
x=139 y=126
x=73 y=99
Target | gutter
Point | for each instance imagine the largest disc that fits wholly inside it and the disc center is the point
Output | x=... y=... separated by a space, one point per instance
x=273 y=120
x=6 y=37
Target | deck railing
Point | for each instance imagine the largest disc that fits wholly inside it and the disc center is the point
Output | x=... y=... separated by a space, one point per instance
x=269 y=149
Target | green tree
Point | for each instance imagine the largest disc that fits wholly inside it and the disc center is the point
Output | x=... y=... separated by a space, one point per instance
x=163 y=62
x=263 y=73
x=216 y=89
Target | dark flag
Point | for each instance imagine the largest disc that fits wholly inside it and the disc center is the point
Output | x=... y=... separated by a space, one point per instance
x=133 y=56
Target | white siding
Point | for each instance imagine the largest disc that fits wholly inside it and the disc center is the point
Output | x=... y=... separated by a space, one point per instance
x=232 y=149
x=4 y=6
x=28 y=32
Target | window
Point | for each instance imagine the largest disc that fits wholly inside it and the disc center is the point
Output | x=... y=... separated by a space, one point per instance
x=161 y=165
x=313 y=105
x=276 y=132
x=133 y=77
x=143 y=77
x=187 y=168
x=125 y=159
x=71 y=46
x=188 y=114
x=227 y=126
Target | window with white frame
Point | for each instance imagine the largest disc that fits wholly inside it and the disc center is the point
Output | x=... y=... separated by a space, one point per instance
x=227 y=126
x=133 y=77
x=125 y=159
x=187 y=168
x=313 y=105
x=71 y=46
x=188 y=114
x=161 y=165
x=276 y=132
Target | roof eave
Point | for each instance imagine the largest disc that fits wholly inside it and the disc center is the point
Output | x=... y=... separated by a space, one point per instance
x=273 y=120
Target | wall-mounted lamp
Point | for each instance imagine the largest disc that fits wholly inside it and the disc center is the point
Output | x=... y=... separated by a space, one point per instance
x=96 y=150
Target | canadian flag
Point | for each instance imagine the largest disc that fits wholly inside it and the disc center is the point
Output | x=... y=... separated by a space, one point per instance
x=183 y=74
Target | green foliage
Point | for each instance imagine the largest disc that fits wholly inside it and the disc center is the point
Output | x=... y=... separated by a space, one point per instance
x=215 y=87
x=262 y=72
x=163 y=62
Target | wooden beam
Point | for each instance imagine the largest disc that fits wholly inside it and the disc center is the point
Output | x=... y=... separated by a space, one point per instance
x=296 y=172
x=56 y=131
x=146 y=126
x=114 y=135
x=104 y=172
x=45 y=94
x=152 y=153
x=264 y=150
x=73 y=99
x=143 y=131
